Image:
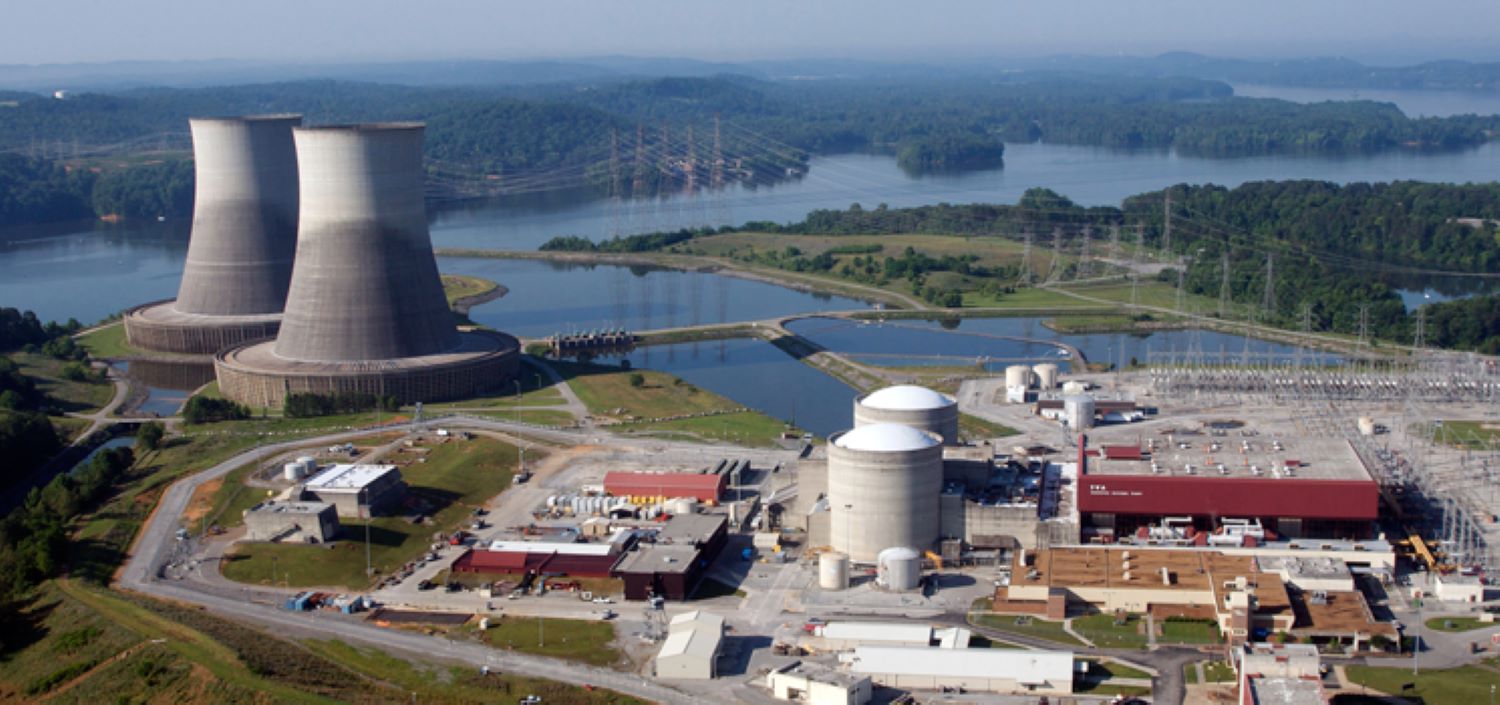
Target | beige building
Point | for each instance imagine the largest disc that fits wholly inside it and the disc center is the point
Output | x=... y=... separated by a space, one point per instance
x=818 y=685
x=984 y=670
x=691 y=651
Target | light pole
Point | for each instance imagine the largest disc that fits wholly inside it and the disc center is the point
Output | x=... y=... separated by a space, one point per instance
x=369 y=567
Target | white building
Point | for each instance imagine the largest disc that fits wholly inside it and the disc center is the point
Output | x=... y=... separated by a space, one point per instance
x=1290 y=674
x=819 y=685
x=986 y=670
x=358 y=490
x=691 y=650
x=848 y=635
x=1458 y=588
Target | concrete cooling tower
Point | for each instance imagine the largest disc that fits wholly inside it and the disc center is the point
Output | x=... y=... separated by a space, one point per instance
x=918 y=407
x=883 y=485
x=239 y=260
x=365 y=310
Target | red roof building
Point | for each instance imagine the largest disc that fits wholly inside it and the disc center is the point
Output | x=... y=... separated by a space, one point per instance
x=705 y=487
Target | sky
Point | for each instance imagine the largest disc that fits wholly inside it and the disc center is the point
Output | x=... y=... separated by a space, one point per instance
x=1377 y=31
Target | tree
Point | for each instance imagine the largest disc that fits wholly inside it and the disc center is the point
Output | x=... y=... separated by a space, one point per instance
x=149 y=436
x=637 y=380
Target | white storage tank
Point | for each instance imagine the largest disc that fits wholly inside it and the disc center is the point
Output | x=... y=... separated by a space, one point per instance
x=884 y=481
x=910 y=405
x=682 y=505
x=293 y=471
x=1018 y=376
x=1366 y=426
x=1046 y=375
x=833 y=571
x=898 y=569
x=1078 y=411
x=1074 y=387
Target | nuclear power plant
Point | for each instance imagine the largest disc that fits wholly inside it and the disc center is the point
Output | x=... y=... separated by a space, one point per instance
x=365 y=310
x=244 y=236
x=913 y=406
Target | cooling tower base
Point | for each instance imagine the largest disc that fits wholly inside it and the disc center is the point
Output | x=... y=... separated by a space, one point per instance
x=484 y=361
x=159 y=327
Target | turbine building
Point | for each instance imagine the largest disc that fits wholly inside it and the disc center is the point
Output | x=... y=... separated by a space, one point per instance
x=244 y=236
x=365 y=309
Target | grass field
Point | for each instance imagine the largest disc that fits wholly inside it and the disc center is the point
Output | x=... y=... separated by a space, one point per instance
x=571 y=639
x=1102 y=630
x=459 y=286
x=457 y=477
x=67 y=394
x=1188 y=633
x=1025 y=626
x=1458 y=624
x=607 y=391
x=1218 y=672
x=973 y=427
x=1473 y=435
x=108 y=343
x=1469 y=684
x=747 y=428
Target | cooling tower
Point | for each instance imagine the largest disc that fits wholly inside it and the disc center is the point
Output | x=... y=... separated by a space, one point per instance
x=366 y=285
x=244 y=236
x=365 y=310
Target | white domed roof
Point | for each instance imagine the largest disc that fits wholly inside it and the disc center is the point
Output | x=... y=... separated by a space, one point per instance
x=886 y=437
x=906 y=397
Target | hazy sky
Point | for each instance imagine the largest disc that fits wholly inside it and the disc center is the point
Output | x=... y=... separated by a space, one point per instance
x=64 y=31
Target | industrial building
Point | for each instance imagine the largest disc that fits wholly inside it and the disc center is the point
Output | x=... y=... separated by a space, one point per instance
x=1242 y=593
x=579 y=560
x=1193 y=488
x=845 y=635
x=908 y=405
x=244 y=237
x=883 y=485
x=308 y=522
x=670 y=562
x=818 y=685
x=661 y=486
x=982 y=670
x=365 y=309
x=692 y=647
x=1286 y=674
x=357 y=490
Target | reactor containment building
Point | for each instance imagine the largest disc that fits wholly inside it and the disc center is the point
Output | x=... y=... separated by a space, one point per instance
x=244 y=237
x=365 y=309
x=910 y=405
x=884 y=480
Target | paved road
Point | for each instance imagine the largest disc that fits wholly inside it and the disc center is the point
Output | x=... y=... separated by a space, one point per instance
x=156 y=546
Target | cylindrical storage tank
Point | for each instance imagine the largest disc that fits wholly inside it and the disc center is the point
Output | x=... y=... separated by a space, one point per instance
x=239 y=258
x=1078 y=410
x=1366 y=426
x=1074 y=387
x=909 y=405
x=1046 y=375
x=365 y=285
x=883 y=485
x=833 y=571
x=293 y=471
x=683 y=505
x=898 y=569
x=1018 y=376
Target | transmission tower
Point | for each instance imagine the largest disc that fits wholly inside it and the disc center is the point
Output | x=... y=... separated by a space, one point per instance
x=1181 y=283
x=1268 y=301
x=1419 y=341
x=638 y=179
x=1224 y=286
x=616 y=204
x=1114 y=244
x=1364 y=324
x=717 y=179
x=1084 y=270
x=1025 y=276
x=690 y=164
x=1166 y=229
x=1052 y=273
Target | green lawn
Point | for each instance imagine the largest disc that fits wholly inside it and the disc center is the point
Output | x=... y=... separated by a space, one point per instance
x=747 y=428
x=108 y=343
x=1190 y=673
x=1102 y=630
x=571 y=639
x=458 y=286
x=536 y=390
x=1474 y=435
x=973 y=427
x=1458 y=624
x=1025 y=626
x=1218 y=672
x=606 y=391
x=1468 y=684
x=1173 y=632
x=458 y=476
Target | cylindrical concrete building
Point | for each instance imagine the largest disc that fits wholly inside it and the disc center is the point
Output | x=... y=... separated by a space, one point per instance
x=898 y=568
x=909 y=405
x=833 y=571
x=1018 y=376
x=883 y=485
x=1078 y=411
x=239 y=260
x=365 y=309
x=1046 y=375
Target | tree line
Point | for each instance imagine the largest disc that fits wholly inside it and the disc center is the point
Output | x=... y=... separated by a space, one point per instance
x=34 y=537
